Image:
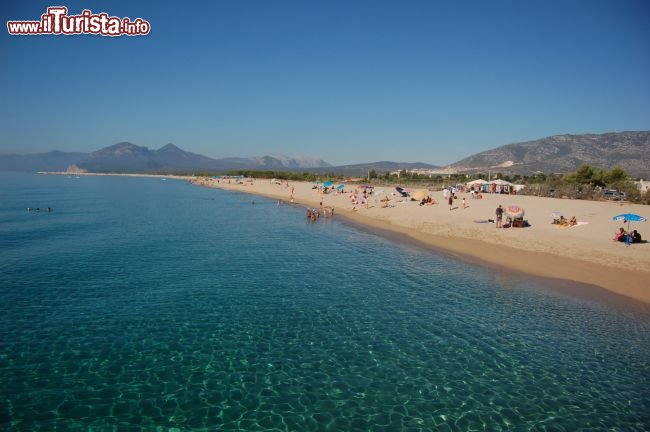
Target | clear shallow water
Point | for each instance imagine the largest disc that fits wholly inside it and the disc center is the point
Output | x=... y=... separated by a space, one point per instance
x=157 y=305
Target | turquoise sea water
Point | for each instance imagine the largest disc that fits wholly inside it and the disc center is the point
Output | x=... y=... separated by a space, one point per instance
x=141 y=304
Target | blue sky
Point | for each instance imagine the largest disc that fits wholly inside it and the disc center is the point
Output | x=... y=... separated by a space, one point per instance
x=348 y=81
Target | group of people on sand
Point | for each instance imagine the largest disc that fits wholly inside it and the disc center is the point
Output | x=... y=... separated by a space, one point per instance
x=427 y=200
x=564 y=222
x=632 y=237
x=363 y=199
x=514 y=222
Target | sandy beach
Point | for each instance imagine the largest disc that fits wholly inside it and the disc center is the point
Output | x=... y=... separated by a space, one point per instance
x=584 y=253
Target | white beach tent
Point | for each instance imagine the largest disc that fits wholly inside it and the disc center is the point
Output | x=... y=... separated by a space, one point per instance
x=478 y=185
x=500 y=182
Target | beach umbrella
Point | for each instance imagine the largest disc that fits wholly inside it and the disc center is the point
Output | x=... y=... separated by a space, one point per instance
x=328 y=184
x=629 y=217
x=555 y=215
x=339 y=187
x=515 y=211
x=419 y=195
x=366 y=187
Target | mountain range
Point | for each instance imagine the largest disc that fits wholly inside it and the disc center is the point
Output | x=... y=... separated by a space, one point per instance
x=126 y=157
x=564 y=153
x=554 y=154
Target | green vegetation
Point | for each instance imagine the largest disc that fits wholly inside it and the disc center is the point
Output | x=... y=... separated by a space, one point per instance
x=584 y=183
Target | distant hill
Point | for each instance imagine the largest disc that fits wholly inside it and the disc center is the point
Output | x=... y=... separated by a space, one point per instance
x=275 y=162
x=50 y=161
x=127 y=157
x=565 y=153
x=380 y=167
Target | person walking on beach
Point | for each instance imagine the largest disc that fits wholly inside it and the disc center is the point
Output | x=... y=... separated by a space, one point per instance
x=499 y=216
x=464 y=205
x=451 y=201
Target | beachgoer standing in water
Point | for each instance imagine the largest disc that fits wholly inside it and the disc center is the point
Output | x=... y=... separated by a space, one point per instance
x=499 y=216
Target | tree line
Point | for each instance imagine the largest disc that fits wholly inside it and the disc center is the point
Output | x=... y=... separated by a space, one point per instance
x=586 y=182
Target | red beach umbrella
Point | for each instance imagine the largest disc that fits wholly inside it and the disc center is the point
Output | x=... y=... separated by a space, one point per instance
x=515 y=211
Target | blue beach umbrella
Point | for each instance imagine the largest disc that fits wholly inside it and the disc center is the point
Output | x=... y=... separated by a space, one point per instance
x=328 y=184
x=629 y=217
x=339 y=187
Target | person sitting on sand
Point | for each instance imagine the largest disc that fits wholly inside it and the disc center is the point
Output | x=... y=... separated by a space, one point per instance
x=563 y=221
x=620 y=235
x=573 y=221
x=636 y=236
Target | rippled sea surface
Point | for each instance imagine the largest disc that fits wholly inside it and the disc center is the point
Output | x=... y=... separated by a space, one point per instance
x=142 y=304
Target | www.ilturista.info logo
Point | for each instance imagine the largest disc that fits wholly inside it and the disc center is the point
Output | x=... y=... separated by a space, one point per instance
x=56 y=21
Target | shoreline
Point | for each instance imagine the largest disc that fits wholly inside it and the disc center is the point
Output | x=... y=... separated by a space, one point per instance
x=604 y=265
x=563 y=285
x=630 y=283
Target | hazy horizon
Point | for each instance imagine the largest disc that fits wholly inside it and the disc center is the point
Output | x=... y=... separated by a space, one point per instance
x=347 y=82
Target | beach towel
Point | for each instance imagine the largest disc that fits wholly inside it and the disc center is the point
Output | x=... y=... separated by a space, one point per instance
x=572 y=226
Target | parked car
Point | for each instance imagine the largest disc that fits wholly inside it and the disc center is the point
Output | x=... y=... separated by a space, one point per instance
x=613 y=195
